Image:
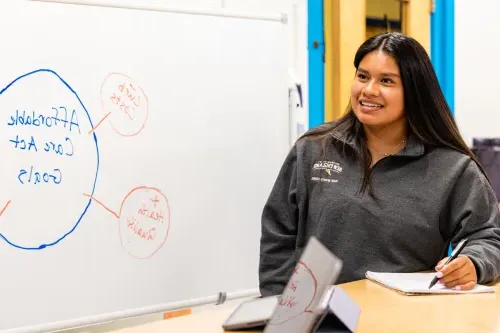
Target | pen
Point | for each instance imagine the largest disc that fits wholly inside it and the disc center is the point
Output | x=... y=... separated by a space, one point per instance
x=453 y=256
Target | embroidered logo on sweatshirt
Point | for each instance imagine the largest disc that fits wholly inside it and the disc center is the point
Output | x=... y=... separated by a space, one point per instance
x=330 y=168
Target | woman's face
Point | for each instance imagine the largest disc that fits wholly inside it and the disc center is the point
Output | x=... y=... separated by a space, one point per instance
x=377 y=91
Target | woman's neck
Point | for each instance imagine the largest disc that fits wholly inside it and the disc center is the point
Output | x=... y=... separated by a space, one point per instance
x=385 y=141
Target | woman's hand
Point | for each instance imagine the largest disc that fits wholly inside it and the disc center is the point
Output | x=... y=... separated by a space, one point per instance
x=459 y=274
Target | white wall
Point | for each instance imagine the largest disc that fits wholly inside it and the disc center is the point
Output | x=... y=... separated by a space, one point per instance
x=476 y=72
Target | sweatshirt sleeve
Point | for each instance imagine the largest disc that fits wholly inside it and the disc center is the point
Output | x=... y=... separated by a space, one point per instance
x=475 y=214
x=279 y=230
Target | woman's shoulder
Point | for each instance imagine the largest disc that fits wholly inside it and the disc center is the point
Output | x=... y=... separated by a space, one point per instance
x=313 y=140
x=317 y=134
x=323 y=142
x=448 y=154
x=452 y=160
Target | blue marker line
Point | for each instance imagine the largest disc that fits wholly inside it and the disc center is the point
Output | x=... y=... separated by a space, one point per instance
x=43 y=246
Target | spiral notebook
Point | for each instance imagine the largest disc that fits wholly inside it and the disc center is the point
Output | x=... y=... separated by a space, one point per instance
x=418 y=284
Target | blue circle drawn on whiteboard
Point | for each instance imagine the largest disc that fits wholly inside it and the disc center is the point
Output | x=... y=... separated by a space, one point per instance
x=94 y=137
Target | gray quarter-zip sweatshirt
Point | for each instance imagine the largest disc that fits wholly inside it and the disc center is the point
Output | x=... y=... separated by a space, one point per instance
x=426 y=198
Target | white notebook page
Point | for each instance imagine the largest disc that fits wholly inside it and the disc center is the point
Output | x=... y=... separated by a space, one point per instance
x=418 y=283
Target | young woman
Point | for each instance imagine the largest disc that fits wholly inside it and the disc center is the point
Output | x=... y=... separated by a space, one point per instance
x=389 y=185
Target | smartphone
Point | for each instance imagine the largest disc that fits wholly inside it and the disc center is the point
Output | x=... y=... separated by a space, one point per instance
x=251 y=314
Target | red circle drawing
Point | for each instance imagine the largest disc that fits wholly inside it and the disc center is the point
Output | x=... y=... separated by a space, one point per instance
x=124 y=103
x=144 y=222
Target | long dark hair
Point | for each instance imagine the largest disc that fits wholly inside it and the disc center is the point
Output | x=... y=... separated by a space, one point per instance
x=427 y=113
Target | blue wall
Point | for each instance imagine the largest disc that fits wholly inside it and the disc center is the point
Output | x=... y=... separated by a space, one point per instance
x=316 y=64
x=443 y=47
x=443 y=50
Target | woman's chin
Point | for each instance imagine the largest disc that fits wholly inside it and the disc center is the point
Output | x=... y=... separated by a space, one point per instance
x=369 y=119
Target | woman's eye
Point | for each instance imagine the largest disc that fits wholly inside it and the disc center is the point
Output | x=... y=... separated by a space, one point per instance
x=387 y=81
x=362 y=76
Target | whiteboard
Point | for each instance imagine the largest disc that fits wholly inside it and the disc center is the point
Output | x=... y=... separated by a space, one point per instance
x=139 y=148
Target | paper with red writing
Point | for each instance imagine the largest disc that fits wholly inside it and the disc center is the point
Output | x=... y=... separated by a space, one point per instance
x=316 y=270
x=298 y=295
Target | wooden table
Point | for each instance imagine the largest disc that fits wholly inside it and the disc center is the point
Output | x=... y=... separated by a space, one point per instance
x=382 y=310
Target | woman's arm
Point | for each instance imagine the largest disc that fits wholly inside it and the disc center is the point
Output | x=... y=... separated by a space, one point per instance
x=474 y=214
x=279 y=230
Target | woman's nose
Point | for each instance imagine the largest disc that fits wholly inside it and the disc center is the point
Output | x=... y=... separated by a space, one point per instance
x=371 y=88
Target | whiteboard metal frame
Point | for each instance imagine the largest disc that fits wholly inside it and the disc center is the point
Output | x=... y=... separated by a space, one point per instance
x=128 y=314
x=164 y=8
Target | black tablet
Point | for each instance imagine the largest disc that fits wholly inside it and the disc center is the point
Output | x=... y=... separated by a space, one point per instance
x=251 y=314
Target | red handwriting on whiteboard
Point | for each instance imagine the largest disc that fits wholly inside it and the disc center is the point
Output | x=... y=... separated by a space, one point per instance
x=155 y=215
x=129 y=91
x=134 y=227
x=125 y=104
x=126 y=99
x=144 y=221
x=297 y=296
